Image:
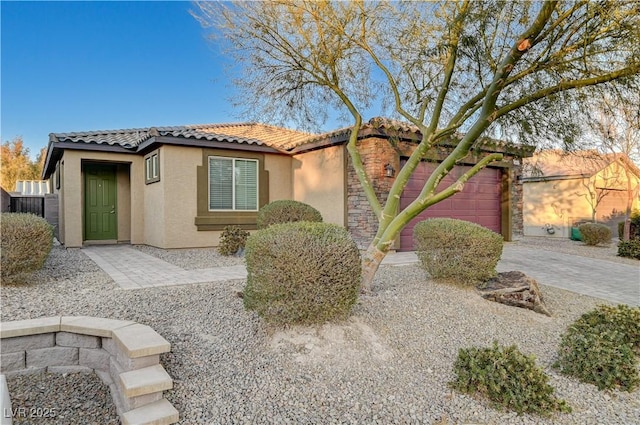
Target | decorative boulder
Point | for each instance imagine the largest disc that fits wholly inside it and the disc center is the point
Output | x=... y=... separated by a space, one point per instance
x=515 y=289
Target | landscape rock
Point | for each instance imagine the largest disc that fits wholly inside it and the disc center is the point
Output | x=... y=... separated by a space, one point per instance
x=515 y=289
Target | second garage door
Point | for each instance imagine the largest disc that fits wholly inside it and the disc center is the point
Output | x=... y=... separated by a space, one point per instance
x=479 y=201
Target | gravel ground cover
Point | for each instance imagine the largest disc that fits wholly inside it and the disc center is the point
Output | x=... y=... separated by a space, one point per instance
x=191 y=259
x=52 y=398
x=389 y=363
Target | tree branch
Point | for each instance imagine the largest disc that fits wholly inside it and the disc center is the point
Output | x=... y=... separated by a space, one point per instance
x=564 y=86
x=424 y=200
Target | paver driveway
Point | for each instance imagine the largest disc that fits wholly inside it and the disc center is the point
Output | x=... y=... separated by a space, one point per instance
x=609 y=280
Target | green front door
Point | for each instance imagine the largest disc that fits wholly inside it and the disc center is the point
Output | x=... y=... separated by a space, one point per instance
x=100 y=217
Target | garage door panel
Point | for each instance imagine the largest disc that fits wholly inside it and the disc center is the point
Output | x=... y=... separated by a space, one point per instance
x=479 y=201
x=463 y=205
x=482 y=204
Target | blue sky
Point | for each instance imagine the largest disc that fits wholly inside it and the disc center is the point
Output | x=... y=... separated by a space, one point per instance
x=75 y=66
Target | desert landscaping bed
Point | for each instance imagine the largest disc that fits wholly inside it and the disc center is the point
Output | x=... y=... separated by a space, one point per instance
x=389 y=363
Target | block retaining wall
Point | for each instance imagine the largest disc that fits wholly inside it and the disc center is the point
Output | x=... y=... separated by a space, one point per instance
x=124 y=354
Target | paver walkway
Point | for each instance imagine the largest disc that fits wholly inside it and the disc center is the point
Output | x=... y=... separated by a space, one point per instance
x=132 y=269
x=609 y=280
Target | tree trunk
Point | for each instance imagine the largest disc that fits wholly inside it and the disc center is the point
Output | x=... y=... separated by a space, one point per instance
x=626 y=230
x=370 y=262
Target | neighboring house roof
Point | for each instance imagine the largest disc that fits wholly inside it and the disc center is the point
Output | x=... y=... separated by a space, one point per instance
x=554 y=164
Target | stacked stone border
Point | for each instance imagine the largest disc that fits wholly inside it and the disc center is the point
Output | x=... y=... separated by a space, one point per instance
x=124 y=354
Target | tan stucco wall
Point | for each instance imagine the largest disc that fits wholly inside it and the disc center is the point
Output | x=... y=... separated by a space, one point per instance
x=162 y=214
x=178 y=172
x=615 y=177
x=280 y=177
x=60 y=193
x=155 y=206
x=319 y=180
x=130 y=216
x=553 y=203
x=124 y=202
x=560 y=202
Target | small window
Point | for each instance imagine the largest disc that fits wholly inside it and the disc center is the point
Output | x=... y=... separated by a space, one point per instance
x=233 y=184
x=152 y=167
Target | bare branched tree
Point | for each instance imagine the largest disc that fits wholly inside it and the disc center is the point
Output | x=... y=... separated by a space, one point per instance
x=514 y=69
x=612 y=127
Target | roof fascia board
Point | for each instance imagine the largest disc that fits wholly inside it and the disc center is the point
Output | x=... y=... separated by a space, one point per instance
x=550 y=178
x=48 y=165
x=101 y=147
x=203 y=143
x=54 y=148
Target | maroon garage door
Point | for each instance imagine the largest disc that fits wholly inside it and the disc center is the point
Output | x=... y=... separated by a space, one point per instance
x=479 y=201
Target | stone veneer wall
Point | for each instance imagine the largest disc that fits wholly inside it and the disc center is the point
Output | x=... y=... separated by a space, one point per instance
x=517 y=200
x=124 y=354
x=376 y=153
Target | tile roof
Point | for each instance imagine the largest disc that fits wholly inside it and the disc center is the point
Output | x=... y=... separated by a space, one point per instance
x=373 y=123
x=249 y=133
x=390 y=127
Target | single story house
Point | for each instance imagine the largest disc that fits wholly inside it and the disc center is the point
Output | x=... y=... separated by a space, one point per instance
x=178 y=187
x=563 y=189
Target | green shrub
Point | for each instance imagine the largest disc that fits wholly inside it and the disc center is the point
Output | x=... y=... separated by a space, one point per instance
x=232 y=240
x=634 y=230
x=601 y=348
x=286 y=211
x=26 y=241
x=508 y=378
x=635 y=225
x=457 y=250
x=621 y=318
x=302 y=273
x=630 y=248
x=595 y=234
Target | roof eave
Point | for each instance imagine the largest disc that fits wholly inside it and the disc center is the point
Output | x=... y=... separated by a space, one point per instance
x=342 y=137
x=203 y=143
x=556 y=177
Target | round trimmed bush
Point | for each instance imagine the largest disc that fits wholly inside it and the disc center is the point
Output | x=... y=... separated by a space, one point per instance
x=595 y=233
x=26 y=241
x=457 y=250
x=301 y=273
x=286 y=211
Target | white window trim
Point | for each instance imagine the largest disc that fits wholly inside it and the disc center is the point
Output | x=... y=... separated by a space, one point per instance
x=233 y=183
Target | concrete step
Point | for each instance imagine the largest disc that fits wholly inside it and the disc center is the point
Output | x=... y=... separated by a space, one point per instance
x=147 y=380
x=160 y=412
